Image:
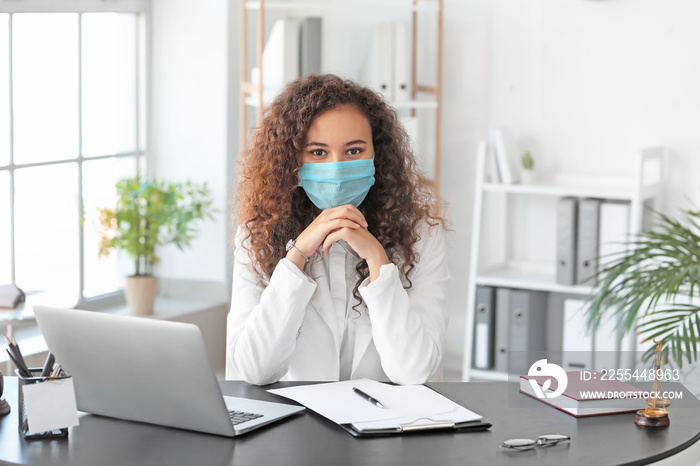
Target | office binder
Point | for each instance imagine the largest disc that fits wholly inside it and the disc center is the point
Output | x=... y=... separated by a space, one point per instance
x=587 y=241
x=417 y=427
x=484 y=328
x=310 y=46
x=506 y=152
x=492 y=170
x=502 y=329
x=402 y=63
x=528 y=333
x=280 y=58
x=577 y=343
x=379 y=63
x=606 y=346
x=614 y=229
x=566 y=240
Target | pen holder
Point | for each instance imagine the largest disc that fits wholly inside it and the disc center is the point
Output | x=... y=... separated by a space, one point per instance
x=23 y=422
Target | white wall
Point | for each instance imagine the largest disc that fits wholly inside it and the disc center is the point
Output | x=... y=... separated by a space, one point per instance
x=189 y=121
x=583 y=83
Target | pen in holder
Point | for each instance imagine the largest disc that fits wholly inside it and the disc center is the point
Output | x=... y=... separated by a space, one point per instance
x=23 y=417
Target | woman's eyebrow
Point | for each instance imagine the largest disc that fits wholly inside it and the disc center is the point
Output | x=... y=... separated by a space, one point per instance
x=313 y=143
x=356 y=141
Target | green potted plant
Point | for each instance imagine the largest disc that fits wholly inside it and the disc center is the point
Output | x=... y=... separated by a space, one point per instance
x=150 y=214
x=650 y=288
x=527 y=173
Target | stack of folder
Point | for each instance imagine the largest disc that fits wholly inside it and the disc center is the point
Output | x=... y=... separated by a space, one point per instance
x=509 y=328
x=588 y=232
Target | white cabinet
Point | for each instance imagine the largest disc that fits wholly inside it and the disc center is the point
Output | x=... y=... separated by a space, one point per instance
x=514 y=232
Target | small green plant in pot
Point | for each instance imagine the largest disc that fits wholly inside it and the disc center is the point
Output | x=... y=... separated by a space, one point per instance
x=527 y=173
x=150 y=214
x=652 y=288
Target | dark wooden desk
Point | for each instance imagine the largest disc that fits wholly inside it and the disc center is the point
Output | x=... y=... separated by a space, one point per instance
x=308 y=439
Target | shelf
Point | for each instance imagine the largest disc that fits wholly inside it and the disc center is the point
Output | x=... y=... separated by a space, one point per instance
x=344 y=6
x=489 y=375
x=529 y=277
x=418 y=104
x=515 y=230
x=252 y=101
x=621 y=193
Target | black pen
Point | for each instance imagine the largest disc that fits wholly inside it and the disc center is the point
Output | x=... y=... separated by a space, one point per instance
x=20 y=366
x=48 y=365
x=367 y=397
x=16 y=355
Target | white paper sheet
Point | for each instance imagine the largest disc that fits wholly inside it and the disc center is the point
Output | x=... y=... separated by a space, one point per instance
x=340 y=404
x=50 y=405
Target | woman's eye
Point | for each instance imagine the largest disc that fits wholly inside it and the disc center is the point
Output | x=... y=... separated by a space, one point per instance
x=354 y=151
x=318 y=152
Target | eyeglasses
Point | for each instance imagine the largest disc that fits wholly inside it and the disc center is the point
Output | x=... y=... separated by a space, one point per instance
x=546 y=440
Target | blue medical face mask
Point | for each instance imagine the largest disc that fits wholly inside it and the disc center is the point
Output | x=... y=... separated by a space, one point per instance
x=337 y=183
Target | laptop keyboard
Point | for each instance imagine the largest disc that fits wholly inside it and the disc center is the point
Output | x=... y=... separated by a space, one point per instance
x=238 y=417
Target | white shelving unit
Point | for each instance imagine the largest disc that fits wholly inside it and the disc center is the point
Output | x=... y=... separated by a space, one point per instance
x=514 y=231
x=424 y=97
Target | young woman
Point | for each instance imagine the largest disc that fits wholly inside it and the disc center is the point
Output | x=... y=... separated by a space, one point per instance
x=340 y=267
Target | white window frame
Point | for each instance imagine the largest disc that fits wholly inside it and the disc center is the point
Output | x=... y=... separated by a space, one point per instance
x=142 y=8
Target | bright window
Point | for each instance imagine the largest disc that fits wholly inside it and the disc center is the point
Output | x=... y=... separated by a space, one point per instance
x=71 y=124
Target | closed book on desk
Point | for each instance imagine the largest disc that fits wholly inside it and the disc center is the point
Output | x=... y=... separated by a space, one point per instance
x=583 y=398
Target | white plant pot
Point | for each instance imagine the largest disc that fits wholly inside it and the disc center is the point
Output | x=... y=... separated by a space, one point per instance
x=141 y=294
x=527 y=176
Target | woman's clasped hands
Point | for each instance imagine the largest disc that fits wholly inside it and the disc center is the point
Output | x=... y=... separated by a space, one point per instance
x=344 y=223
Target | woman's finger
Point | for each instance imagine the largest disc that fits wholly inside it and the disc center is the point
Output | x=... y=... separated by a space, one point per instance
x=348 y=211
x=337 y=235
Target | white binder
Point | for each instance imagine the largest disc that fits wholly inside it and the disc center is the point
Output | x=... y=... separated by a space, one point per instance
x=610 y=353
x=587 y=247
x=484 y=327
x=402 y=63
x=506 y=152
x=577 y=343
x=379 y=63
x=528 y=332
x=502 y=329
x=614 y=229
x=280 y=58
x=310 y=46
x=566 y=240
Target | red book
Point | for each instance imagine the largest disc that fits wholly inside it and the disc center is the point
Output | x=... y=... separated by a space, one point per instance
x=587 y=393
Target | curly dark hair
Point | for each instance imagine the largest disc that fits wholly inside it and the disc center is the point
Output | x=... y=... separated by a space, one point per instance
x=272 y=208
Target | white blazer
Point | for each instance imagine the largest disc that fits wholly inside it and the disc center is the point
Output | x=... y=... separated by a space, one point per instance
x=291 y=329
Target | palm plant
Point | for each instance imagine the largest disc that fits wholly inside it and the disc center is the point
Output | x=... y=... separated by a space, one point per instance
x=650 y=288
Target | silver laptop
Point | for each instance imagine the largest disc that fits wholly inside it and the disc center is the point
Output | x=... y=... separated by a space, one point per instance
x=148 y=370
